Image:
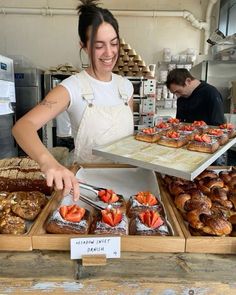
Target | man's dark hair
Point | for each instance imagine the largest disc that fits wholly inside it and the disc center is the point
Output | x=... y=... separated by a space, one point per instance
x=178 y=77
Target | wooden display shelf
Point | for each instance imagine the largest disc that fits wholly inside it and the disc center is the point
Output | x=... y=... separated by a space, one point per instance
x=176 y=243
x=23 y=242
x=199 y=244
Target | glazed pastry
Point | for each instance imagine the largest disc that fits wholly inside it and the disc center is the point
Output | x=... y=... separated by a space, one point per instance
x=110 y=221
x=148 y=135
x=162 y=127
x=207 y=184
x=148 y=223
x=187 y=130
x=218 y=134
x=203 y=143
x=69 y=220
x=200 y=125
x=172 y=139
x=143 y=201
x=229 y=128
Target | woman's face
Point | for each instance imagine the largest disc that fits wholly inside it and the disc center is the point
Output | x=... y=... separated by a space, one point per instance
x=106 y=45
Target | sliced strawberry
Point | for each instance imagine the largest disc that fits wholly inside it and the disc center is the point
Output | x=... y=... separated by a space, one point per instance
x=101 y=192
x=109 y=196
x=63 y=211
x=72 y=209
x=107 y=218
x=117 y=217
x=151 y=200
x=114 y=198
x=156 y=220
x=206 y=138
x=111 y=217
x=198 y=138
x=151 y=218
x=74 y=217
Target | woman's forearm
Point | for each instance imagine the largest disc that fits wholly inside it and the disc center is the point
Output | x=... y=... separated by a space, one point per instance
x=27 y=137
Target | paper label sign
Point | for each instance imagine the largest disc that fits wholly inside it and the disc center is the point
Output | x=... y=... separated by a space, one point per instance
x=110 y=246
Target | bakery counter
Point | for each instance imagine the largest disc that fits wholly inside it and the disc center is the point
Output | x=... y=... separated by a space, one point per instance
x=132 y=274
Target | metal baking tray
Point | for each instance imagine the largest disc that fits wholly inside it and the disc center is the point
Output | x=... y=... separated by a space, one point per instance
x=178 y=162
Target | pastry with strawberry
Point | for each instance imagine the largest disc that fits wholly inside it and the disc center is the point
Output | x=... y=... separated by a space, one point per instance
x=149 y=134
x=163 y=126
x=148 y=223
x=69 y=219
x=200 y=125
x=173 y=139
x=109 y=197
x=187 y=130
x=110 y=221
x=218 y=134
x=203 y=143
x=142 y=201
x=229 y=128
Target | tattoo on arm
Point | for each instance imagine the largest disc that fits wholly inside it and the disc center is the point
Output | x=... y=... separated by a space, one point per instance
x=47 y=103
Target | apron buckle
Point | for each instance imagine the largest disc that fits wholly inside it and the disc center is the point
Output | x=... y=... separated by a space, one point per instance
x=90 y=105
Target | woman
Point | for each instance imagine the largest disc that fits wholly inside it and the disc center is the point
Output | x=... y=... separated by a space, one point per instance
x=98 y=102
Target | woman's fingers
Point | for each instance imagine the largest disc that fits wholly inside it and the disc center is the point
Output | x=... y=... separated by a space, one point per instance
x=76 y=191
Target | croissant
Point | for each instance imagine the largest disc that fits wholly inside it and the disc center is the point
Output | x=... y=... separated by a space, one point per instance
x=206 y=184
x=193 y=217
x=219 y=195
x=208 y=174
x=216 y=225
x=180 y=201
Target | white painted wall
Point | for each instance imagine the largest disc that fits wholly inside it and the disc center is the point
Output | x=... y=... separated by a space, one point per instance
x=52 y=40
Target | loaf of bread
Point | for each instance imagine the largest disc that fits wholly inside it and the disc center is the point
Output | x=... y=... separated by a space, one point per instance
x=22 y=174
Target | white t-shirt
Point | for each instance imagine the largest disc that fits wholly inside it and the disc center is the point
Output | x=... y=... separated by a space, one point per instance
x=105 y=94
x=63 y=125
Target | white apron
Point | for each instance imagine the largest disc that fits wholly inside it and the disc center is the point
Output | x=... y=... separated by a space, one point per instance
x=100 y=124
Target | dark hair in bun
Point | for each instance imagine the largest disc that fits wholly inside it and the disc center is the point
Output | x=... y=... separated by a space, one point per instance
x=92 y=16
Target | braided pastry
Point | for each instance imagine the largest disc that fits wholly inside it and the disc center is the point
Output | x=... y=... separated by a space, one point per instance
x=207 y=173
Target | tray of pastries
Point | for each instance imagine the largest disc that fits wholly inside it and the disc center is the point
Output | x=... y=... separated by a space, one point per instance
x=130 y=206
x=172 y=147
x=23 y=196
x=205 y=208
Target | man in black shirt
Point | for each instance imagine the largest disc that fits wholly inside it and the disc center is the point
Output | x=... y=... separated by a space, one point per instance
x=197 y=101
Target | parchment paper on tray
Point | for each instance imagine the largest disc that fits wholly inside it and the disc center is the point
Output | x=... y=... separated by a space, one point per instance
x=124 y=181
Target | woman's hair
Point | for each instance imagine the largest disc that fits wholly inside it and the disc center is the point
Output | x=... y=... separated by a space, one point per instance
x=178 y=77
x=91 y=17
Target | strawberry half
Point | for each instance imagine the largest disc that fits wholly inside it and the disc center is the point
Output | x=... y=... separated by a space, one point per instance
x=72 y=213
x=111 y=217
x=151 y=218
x=146 y=198
x=108 y=196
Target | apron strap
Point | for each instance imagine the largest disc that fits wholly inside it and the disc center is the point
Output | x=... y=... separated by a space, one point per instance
x=123 y=92
x=86 y=89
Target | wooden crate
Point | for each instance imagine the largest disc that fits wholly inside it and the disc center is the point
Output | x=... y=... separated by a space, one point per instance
x=44 y=241
x=199 y=244
x=21 y=242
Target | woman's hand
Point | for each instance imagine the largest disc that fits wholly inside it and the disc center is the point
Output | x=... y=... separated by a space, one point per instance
x=61 y=178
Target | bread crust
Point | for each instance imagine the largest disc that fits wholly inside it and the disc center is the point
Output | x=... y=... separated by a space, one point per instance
x=173 y=142
x=147 y=137
x=203 y=146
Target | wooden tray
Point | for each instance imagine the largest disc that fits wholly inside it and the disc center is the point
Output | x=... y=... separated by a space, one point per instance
x=199 y=244
x=21 y=242
x=44 y=241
